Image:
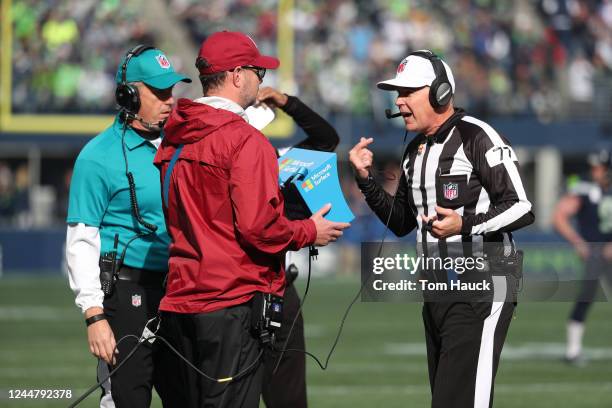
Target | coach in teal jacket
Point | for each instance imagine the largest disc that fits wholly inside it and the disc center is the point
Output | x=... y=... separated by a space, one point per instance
x=102 y=210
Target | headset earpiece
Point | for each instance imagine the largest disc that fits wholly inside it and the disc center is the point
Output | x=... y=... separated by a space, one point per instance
x=441 y=93
x=441 y=90
x=128 y=98
x=127 y=95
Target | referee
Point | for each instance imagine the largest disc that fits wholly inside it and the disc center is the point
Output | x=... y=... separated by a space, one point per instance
x=460 y=184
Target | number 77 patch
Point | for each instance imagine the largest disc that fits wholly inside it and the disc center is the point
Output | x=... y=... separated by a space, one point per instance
x=500 y=154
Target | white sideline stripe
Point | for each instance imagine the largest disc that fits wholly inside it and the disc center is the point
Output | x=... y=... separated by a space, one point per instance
x=405 y=349
x=38 y=313
x=370 y=368
x=360 y=389
x=17 y=373
x=552 y=351
x=553 y=387
x=517 y=352
x=315 y=330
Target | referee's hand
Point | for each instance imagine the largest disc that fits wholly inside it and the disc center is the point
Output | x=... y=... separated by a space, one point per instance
x=100 y=337
x=361 y=157
x=445 y=223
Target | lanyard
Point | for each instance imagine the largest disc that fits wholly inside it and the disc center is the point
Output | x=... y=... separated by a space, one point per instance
x=166 y=186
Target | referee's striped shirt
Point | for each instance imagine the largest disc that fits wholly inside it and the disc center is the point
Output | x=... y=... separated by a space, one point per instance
x=466 y=166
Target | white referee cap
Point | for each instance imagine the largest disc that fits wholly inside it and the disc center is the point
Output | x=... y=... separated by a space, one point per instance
x=415 y=72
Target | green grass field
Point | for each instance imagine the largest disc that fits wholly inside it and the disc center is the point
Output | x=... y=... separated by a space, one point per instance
x=380 y=360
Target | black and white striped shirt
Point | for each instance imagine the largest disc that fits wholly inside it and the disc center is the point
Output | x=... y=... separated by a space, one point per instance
x=466 y=166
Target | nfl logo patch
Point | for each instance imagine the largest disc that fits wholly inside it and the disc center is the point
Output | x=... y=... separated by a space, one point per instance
x=163 y=61
x=401 y=66
x=451 y=191
x=136 y=300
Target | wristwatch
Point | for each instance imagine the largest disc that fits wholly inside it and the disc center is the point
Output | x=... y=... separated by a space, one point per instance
x=95 y=318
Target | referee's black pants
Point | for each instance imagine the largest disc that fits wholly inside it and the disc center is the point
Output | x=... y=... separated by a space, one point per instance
x=464 y=342
x=287 y=388
x=221 y=345
x=132 y=303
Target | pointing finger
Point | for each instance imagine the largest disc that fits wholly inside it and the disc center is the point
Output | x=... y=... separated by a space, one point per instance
x=363 y=142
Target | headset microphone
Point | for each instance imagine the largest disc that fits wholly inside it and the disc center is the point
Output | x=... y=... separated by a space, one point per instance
x=151 y=126
x=127 y=115
x=389 y=115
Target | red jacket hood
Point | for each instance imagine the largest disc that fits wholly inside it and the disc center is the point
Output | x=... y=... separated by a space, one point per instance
x=192 y=121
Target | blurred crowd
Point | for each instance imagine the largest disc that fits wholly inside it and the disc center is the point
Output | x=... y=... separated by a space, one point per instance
x=549 y=58
x=14 y=193
x=65 y=53
x=25 y=204
x=545 y=57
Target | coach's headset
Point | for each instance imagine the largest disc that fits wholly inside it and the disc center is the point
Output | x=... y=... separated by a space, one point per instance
x=440 y=90
x=127 y=95
x=128 y=99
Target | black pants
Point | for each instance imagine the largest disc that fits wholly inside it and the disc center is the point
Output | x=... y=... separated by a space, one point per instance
x=128 y=309
x=464 y=342
x=220 y=344
x=596 y=268
x=287 y=388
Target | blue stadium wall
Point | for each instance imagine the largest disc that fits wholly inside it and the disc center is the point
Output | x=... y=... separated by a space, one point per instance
x=41 y=250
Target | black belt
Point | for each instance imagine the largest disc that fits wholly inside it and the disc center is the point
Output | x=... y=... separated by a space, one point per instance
x=142 y=276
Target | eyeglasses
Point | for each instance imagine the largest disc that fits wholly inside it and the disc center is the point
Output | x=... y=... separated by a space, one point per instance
x=260 y=72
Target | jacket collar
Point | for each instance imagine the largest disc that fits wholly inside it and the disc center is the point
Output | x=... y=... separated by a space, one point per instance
x=443 y=131
x=218 y=102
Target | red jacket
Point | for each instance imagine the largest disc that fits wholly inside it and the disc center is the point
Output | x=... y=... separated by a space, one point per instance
x=225 y=211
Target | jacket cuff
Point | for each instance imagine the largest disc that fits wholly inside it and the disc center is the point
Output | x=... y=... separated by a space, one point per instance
x=95 y=299
x=311 y=231
x=291 y=105
x=365 y=185
x=466 y=225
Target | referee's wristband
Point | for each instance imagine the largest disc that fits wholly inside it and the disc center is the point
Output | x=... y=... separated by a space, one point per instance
x=95 y=318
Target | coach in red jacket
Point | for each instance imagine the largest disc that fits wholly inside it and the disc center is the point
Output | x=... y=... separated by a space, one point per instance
x=225 y=217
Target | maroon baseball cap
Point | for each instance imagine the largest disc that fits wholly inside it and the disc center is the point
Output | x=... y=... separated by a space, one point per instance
x=225 y=50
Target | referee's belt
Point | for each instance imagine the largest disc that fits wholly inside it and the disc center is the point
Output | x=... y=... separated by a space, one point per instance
x=141 y=276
